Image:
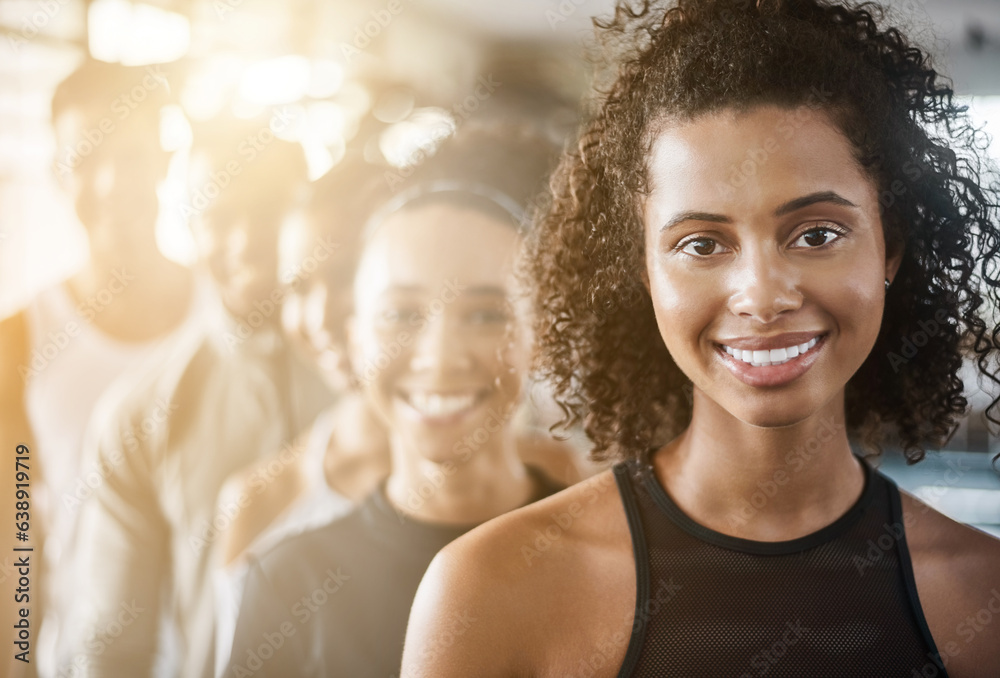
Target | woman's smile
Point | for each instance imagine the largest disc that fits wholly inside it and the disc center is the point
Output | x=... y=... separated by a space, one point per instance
x=441 y=408
x=754 y=364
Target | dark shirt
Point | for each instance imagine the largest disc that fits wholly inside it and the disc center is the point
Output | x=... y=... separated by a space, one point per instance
x=334 y=601
x=840 y=602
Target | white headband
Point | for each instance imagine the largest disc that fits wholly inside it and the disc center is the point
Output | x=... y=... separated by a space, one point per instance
x=499 y=198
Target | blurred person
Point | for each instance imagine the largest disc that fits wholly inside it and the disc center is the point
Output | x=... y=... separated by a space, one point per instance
x=105 y=320
x=770 y=199
x=228 y=395
x=292 y=490
x=438 y=348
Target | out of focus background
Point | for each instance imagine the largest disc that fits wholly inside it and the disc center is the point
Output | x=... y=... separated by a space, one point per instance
x=382 y=78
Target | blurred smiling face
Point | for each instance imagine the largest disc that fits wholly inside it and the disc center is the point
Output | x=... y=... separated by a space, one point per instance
x=240 y=249
x=768 y=289
x=435 y=340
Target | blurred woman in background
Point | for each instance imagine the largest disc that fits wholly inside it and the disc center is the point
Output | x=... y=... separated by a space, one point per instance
x=439 y=347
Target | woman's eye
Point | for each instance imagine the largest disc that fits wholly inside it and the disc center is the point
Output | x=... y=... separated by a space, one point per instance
x=487 y=317
x=392 y=316
x=701 y=247
x=816 y=237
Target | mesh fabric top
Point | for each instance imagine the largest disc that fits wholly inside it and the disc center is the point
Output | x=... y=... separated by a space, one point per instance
x=838 y=602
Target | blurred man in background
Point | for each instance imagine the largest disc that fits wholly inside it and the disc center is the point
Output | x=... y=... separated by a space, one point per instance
x=231 y=394
x=76 y=338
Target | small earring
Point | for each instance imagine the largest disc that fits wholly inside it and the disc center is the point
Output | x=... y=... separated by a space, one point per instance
x=887 y=283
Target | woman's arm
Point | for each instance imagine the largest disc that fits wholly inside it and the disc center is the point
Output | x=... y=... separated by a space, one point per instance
x=957 y=573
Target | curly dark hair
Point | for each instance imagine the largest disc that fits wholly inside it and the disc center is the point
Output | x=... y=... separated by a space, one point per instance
x=599 y=343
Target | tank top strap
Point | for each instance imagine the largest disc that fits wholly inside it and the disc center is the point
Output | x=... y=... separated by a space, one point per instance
x=623 y=472
x=906 y=563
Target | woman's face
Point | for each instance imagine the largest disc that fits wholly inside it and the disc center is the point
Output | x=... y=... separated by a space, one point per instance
x=435 y=340
x=765 y=259
x=314 y=312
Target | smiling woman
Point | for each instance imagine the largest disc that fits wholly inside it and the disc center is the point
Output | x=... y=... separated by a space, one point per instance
x=439 y=349
x=718 y=290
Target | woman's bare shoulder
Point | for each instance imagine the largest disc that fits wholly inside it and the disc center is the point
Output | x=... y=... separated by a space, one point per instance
x=957 y=572
x=570 y=523
x=524 y=584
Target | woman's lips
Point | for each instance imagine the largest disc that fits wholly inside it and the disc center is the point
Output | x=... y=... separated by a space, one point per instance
x=440 y=407
x=772 y=367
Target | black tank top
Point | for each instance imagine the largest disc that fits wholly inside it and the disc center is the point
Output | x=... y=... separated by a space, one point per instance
x=840 y=602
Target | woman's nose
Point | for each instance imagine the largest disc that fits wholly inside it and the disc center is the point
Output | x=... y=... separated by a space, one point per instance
x=765 y=285
x=438 y=346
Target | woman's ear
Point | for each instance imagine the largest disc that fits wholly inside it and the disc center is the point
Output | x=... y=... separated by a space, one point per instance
x=893 y=258
x=355 y=354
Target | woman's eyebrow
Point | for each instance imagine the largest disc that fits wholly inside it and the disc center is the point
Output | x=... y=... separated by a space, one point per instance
x=789 y=207
x=695 y=216
x=486 y=291
x=812 y=199
x=475 y=290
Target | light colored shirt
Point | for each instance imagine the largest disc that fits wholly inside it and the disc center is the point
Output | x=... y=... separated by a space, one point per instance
x=148 y=534
x=71 y=363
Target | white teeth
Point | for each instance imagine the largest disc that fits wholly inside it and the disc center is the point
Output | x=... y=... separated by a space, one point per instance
x=437 y=405
x=775 y=356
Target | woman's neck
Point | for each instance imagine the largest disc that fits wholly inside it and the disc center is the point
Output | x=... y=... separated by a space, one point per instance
x=459 y=492
x=764 y=484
